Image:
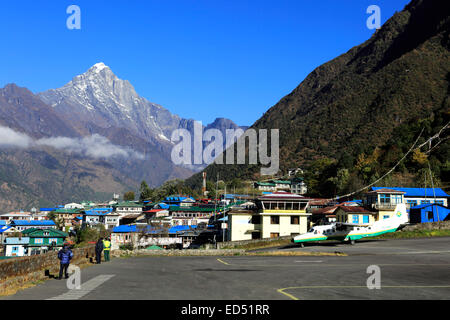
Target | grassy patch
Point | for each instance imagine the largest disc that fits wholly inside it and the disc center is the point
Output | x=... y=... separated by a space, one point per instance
x=295 y=253
x=260 y=244
x=414 y=234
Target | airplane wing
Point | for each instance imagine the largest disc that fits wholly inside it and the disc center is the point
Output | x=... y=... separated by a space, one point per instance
x=353 y=224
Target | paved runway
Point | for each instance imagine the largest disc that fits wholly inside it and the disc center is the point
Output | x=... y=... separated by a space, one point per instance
x=410 y=269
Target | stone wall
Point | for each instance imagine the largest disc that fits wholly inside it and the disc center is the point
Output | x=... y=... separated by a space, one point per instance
x=16 y=272
x=428 y=226
x=231 y=244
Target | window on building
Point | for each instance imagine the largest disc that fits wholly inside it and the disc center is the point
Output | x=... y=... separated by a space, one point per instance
x=274 y=219
x=256 y=219
x=295 y=220
x=355 y=218
x=386 y=217
x=425 y=201
x=256 y=235
x=365 y=219
x=385 y=198
x=412 y=203
x=441 y=202
x=396 y=198
x=274 y=234
x=430 y=215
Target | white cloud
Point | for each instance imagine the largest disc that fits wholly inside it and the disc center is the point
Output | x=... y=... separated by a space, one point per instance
x=95 y=146
x=11 y=138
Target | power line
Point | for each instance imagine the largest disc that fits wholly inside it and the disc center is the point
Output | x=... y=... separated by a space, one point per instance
x=436 y=136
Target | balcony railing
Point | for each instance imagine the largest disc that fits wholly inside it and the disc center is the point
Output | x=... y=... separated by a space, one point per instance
x=385 y=206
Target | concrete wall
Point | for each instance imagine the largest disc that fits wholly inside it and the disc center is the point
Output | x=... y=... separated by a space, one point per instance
x=18 y=271
x=229 y=244
x=240 y=226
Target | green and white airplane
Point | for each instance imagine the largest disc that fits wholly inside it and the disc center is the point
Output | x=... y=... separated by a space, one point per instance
x=355 y=231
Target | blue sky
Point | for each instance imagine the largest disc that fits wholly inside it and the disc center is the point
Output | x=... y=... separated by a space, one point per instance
x=200 y=59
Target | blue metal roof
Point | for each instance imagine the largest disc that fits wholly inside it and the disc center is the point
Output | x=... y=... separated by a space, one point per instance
x=2 y=222
x=124 y=229
x=47 y=209
x=4 y=228
x=98 y=211
x=33 y=223
x=162 y=205
x=176 y=229
x=421 y=206
x=418 y=192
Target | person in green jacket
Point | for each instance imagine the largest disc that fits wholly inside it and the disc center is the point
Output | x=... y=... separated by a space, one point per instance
x=106 y=248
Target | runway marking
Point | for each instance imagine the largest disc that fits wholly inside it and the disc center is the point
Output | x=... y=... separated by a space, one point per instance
x=220 y=260
x=319 y=264
x=347 y=287
x=86 y=288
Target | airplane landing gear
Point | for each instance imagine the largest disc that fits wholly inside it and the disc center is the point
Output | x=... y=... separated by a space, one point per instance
x=302 y=245
x=352 y=242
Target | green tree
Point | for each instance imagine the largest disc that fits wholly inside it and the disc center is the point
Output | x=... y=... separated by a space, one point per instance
x=129 y=196
x=145 y=192
x=54 y=217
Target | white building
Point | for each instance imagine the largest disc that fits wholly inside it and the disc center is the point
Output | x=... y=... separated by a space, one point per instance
x=73 y=205
x=16 y=216
x=278 y=214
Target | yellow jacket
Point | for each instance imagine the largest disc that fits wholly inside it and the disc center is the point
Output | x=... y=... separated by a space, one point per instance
x=106 y=245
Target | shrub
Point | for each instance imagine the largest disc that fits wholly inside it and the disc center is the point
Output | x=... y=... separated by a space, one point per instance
x=126 y=246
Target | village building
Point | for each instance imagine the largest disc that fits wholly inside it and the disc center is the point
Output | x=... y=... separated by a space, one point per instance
x=34 y=241
x=179 y=201
x=265 y=186
x=104 y=216
x=16 y=246
x=67 y=216
x=191 y=216
x=377 y=205
x=22 y=225
x=144 y=236
x=276 y=215
x=295 y=186
x=73 y=205
x=431 y=212
x=16 y=216
x=7 y=231
x=417 y=196
x=126 y=208
x=298 y=186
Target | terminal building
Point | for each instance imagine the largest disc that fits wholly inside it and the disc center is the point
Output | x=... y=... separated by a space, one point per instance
x=275 y=215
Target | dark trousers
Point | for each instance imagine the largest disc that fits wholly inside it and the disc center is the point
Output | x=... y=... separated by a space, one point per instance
x=106 y=253
x=63 y=268
x=98 y=256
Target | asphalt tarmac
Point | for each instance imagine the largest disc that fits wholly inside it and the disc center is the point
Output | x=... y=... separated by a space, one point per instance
x=407 y=269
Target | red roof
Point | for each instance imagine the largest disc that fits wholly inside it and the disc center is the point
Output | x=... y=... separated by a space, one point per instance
x=327 y=210
x=154 y=210
x=354 y=209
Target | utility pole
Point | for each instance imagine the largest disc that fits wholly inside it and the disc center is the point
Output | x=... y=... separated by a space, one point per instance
x=215 y=199
x=432 y=183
